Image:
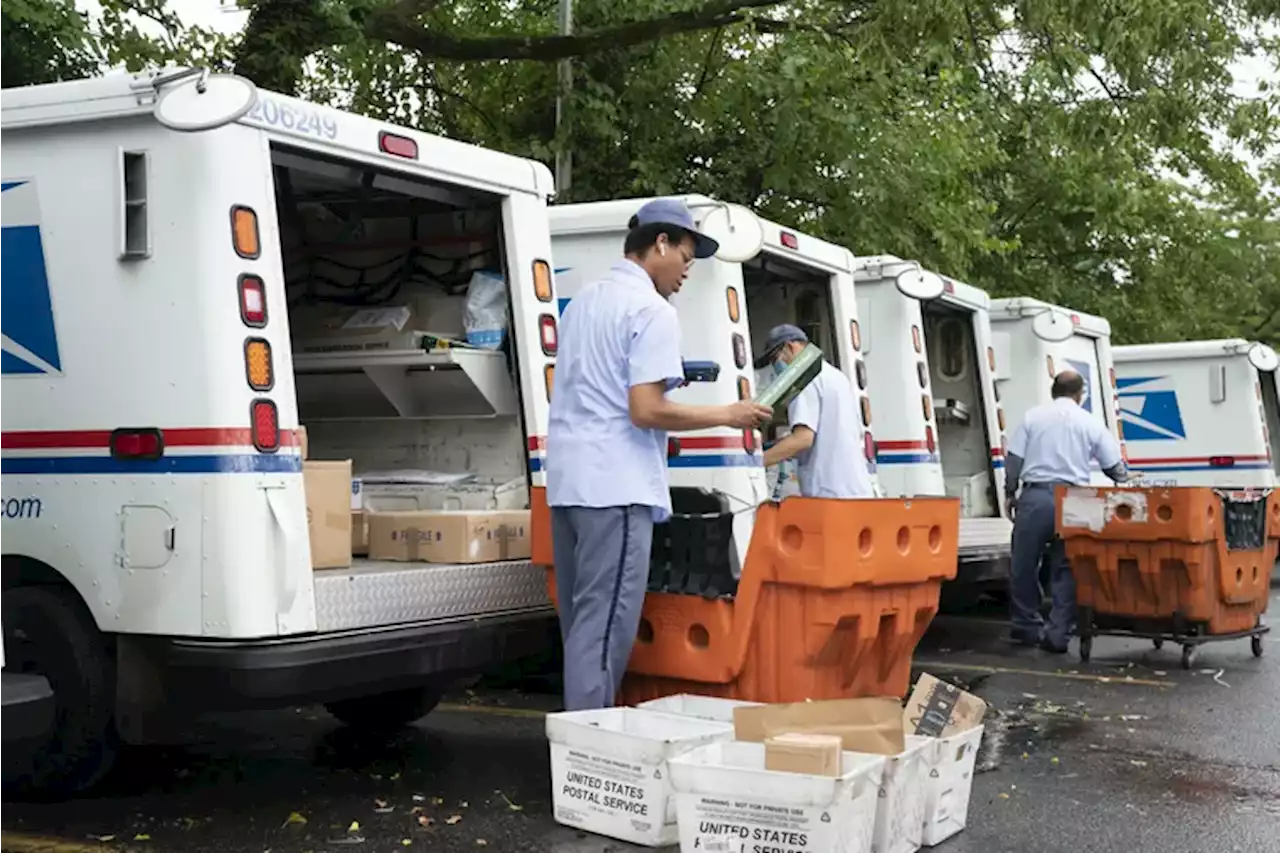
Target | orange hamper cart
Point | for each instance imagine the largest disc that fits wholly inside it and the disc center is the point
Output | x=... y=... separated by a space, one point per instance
x=832 y=600
x=1187 y=565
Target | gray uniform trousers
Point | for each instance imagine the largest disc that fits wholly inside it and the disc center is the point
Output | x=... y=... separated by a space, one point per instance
x=602 y=568
x=1034 y=541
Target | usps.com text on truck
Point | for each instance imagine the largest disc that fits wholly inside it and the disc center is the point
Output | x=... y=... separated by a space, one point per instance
x=193 y=270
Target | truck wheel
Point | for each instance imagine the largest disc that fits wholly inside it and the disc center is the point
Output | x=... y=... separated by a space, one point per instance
x=48 y=632
x=385 y=711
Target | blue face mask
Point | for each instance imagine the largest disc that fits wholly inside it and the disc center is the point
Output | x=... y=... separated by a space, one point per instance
x=778 y=366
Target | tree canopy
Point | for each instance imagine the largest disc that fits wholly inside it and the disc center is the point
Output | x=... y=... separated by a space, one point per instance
x=1094 y=153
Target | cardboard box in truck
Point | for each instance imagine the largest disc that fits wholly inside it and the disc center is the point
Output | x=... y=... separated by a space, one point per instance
x=469 y=536
x=328 y=487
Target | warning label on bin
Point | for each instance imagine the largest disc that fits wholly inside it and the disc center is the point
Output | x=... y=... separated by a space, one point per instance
x=625 y=796
x=752 y=827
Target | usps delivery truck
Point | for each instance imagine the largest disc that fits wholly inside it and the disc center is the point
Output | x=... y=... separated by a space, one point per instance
x=1034 y=341
x=170 y=240
x=763 y=275
x=941 y=429
x=1201 y=413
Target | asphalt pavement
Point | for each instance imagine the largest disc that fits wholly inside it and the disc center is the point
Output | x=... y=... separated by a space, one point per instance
x=1126 y=754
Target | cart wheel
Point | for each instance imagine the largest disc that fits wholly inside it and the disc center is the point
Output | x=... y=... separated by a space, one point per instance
x=1188 y=655
x=1158 y=643
x=1255 y=645
x=1086 y=648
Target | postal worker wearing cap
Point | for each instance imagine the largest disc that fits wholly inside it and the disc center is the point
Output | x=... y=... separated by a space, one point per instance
x=1051 y=447
x=826 y=428
x=618 y=357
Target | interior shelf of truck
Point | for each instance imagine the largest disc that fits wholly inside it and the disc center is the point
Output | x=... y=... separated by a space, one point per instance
x=440 y=383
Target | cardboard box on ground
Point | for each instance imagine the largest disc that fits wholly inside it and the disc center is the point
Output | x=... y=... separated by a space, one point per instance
x=770 y=780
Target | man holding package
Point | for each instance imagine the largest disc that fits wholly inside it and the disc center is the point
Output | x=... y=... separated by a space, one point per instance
x=618 y=357
x=826 y=428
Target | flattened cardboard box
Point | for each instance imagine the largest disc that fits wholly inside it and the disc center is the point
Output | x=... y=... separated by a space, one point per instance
x=469 y=536
x=871 y=725
x=938 y=709
x=328 y=488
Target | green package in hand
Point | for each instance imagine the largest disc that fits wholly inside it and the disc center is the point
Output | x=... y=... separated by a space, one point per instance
x=802 y=370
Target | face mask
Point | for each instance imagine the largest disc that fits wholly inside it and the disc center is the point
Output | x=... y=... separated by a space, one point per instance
x=779 y=366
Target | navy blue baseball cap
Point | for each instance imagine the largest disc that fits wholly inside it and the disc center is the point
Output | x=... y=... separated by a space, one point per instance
x=671 y=211
x=780 y=336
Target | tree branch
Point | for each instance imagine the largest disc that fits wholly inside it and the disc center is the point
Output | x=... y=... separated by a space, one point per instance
x=400 y=24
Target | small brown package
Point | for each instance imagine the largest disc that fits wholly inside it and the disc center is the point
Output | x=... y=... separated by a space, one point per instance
x=466 y=536
x=801 y=752
x=328 y=494
x=863 y=725
x=938 y=709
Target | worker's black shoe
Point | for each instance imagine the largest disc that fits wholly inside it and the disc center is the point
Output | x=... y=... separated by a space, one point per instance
x=1051 y=648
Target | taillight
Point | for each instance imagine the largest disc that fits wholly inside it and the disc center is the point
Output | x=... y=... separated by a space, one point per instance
x=266 y=426
x=749 y=441
x=547 y=334
x=1112 y=373
x=926 y=406
x=397 y=146
x=744 y=387
x=915 y=338
x=991 y=359
x=257 y=364
x=542 y=281
x=855 y=335
x=860 y=371
x=253 y=301
x=244 y=232
x=1048 y=360
x=789 y=240
x=948 y=286
x=1222 y=461
x=731 y=301
x=549 y=378
x=1000 y=418
x=929 y=441
x=922 y=373
x=866 y=411
x=145 y=444
x=739 y=351
x=673 y=448
x=869 y=446
x=1075 y=319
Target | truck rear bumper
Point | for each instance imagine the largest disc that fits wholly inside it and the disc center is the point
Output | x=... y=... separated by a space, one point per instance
x=205 y=675
x=28 y=707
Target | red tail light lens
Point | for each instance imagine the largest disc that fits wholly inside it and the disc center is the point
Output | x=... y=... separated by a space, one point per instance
x=1222 y=461
x=789 y=240
x=266 y=426
x=869 y=446
x=547 y=332
x=253 y=301
x=929 y=441
x=141 y=444
x=397 y=146
x=749 y=441
x=673 y=448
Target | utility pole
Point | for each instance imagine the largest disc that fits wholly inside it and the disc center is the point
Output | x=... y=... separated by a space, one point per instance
x=564 y=85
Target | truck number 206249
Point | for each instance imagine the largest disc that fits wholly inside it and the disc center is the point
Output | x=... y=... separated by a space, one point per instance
x=286 y=117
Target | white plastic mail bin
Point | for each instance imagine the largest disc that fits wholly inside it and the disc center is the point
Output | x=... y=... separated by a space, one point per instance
x=702 y=707
x=900 y=807
x=727 y=801
x=609 y=770
x=949 y=762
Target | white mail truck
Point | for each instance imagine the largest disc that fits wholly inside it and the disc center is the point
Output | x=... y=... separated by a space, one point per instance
x=941 y=428
x=1034 y=341
x=192 y=269
x=763 y=275
x=1201 y=413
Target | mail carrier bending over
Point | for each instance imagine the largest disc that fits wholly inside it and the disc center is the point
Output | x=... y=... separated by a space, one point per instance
x=1051 y=447
x=607 y=485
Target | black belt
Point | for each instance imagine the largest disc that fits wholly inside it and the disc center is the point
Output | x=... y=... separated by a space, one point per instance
x=1052 y=484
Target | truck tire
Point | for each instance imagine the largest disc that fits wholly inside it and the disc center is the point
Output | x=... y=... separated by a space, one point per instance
x=48 y=631
x=387 y=711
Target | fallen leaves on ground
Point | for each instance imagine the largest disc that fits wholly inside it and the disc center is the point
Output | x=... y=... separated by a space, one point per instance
x=453 y=819
x=294 y=818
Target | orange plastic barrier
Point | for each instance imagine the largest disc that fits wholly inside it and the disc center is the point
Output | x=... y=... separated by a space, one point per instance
x=1162 y=554
x=833 y=598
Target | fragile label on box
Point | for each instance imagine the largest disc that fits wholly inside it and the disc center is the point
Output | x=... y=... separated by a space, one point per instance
x=625 y=794
x=726 y=822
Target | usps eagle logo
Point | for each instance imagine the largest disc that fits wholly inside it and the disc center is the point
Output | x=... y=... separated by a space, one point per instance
x=30 y=341
x=1149 y=409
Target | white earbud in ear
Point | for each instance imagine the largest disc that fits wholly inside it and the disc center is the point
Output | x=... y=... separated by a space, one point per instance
x=662 y=249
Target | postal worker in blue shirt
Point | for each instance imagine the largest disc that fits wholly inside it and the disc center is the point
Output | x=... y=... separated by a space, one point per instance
x=618 y=357
x=1051 y=447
